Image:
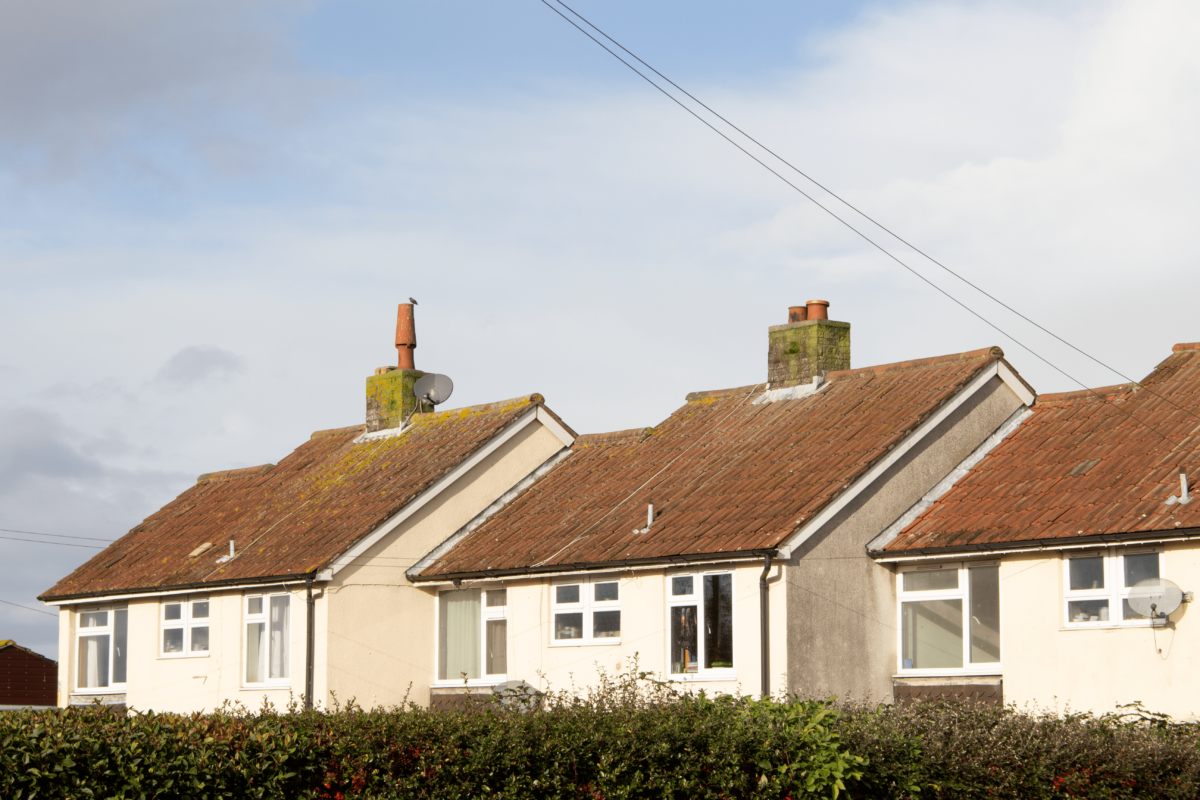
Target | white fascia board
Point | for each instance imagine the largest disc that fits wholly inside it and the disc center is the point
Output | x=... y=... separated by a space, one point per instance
x=1016 y=384
x=807 y=529
x=970 y=555
x=322 y=576
x=680 y=565
x=347 y=557
x=555 y=427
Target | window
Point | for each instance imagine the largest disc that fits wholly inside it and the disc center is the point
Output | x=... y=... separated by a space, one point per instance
x=473 y=635
x=587 y=612
x=102 y=635
x=268 y=635
x=950 y=618
x=701 y=621
x=184 y=627
x=1097 y=586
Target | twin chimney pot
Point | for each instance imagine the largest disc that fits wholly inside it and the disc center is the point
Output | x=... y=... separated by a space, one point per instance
x=809 y=345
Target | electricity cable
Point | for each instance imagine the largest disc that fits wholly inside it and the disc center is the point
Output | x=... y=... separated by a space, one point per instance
x=60 y=544
x=29 y=608
x=57 y=535
x=862 y=235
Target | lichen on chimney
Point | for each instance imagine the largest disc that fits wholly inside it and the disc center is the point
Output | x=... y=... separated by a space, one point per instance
x=391 y=399
x=798 y=351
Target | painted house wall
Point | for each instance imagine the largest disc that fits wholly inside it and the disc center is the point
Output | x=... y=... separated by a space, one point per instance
x=381 y=634
x=841 y=607
x=534 y=659
x=1050 y=667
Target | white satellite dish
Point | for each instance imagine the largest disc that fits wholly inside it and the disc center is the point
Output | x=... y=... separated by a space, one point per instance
x=1155 y=598
x=433 y=388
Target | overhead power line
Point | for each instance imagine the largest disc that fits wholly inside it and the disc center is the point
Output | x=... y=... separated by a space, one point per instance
x=29 y=608
x=57 y=535
x=850 y=226
x=59 y=544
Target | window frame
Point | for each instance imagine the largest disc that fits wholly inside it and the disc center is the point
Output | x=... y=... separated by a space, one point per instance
x=265 y=617
x=110 y=630
x=486 y=614
x=1114 y=590
x=696 y=600
x=963 y=593
x=187 y=622
x=588 y=606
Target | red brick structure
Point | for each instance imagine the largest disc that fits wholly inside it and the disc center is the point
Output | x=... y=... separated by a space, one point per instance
x=26 y=678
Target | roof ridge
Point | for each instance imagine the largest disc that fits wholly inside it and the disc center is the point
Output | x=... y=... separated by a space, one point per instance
x=637 y=434
x=1081 y=394
x=234 y=474
x=499 y=405
x=715 y=393
x=1179 y=348
x=330 y=432
x=985 y=352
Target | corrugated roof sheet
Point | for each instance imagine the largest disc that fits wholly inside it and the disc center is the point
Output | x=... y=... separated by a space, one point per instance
x=292 y=518
x=1085 y=463
x=725 y=475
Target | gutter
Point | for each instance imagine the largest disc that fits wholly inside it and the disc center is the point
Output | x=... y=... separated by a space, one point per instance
x=595 y=566
x=1035 y=545
x=186 y=588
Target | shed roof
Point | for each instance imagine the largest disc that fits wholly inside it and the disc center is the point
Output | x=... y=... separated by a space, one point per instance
x=725 y=474
x=292 y=518
x=1092 y=463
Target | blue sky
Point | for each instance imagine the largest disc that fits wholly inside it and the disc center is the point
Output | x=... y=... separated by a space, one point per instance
x=209 y=211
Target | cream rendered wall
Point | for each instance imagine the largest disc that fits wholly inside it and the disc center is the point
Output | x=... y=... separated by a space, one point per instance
x=533 y=659
x=1049 y=667
x=381 y=636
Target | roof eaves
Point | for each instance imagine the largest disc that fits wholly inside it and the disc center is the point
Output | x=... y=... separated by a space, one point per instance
x=1058 y=543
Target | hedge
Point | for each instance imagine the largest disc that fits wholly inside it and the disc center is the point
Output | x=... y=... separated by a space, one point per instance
x=629 y=738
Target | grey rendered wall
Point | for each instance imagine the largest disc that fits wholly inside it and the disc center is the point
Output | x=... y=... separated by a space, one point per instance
x=841 y=611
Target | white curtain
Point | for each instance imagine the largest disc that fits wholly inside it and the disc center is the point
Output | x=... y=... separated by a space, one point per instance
x=93 y=662
x=256 y=652
x=459 y=634
x=280 y=613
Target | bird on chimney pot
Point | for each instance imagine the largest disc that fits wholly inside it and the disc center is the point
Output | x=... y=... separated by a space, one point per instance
x=414 y=302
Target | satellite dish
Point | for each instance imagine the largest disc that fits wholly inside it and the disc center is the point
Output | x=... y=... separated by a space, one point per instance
x=433 y=388
x=1155 y=598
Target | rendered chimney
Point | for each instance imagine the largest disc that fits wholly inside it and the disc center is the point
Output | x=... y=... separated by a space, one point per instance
x=808 y=345
x=390 y=395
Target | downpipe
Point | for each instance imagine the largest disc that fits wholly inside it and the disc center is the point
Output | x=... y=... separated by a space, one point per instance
x=764 y=635
x=310 y=624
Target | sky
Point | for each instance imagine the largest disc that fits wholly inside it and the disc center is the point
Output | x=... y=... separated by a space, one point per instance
x=209 y=211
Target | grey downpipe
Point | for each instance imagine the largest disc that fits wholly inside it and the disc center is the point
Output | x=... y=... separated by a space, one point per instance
x=764 y=619
x=310 y=623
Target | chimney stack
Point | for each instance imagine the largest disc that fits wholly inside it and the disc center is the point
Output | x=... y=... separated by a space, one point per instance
x=808 y=345
x=390 y=395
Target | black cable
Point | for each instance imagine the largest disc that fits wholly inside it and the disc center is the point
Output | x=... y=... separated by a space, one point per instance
x=862 y=235
x=60 y=544
x=57 y=535
x=28 y=608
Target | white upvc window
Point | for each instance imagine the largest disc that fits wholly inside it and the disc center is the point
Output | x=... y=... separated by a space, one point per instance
x=473 y=636
x=101 y=639
x=184 y=623
x=949 y=619
x=1096 y=586
x=268 y=640
x=586 y=611
x=701 y=630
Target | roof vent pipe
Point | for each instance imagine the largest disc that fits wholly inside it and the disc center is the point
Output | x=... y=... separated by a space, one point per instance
x=406 y=335
x=817 y=309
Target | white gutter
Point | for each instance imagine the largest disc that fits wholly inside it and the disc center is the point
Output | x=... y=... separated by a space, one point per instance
x=322 y=576
x=965 y=555
x=757 y=559
x=814 y=523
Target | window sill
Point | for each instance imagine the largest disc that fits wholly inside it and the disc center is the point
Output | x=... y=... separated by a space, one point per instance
x=584 y=642
x=1108 y=626
x=265 y=687
x=99 y=692
x=983 y=671
x=473 y=683
x=699 y=677
x=179 y=656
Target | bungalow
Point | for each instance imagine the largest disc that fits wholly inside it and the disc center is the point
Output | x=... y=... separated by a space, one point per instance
x=1019 y=575
x=288 y=581
x=723 y=548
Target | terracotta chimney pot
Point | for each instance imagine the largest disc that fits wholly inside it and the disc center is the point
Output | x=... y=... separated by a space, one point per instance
x=406 y=335
x=818 y=309
x=797 y=313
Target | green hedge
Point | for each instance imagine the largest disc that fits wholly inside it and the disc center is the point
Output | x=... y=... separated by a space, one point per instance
x=631 y=738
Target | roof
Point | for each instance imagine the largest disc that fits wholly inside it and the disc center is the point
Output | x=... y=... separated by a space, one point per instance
x=1085 y=464
x=726 y=474
x=7 y=644
x=292 y=518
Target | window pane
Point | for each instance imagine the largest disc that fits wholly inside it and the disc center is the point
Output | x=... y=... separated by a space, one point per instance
x=458 y=634
x=606 y=592
x=985 y=614
x=497 y=598
x=93 y=662
x=718 y=621
x=1087 y=611
x=200 y=609
x=566 y=594
x=1140 y=567
x=256 y=652
x=200 y=639
x=681 y=585
x=93 y=619
x=173 y=611
x=568 y=626
x=606 y=624
x=173 y=640
x=280 y=626
x=931 y=580
x=932 y=633
x=497 y=646
x=1128 y=612
x=683 y=639
x=120 y=639
x=1087 y=573
x=254 y=605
